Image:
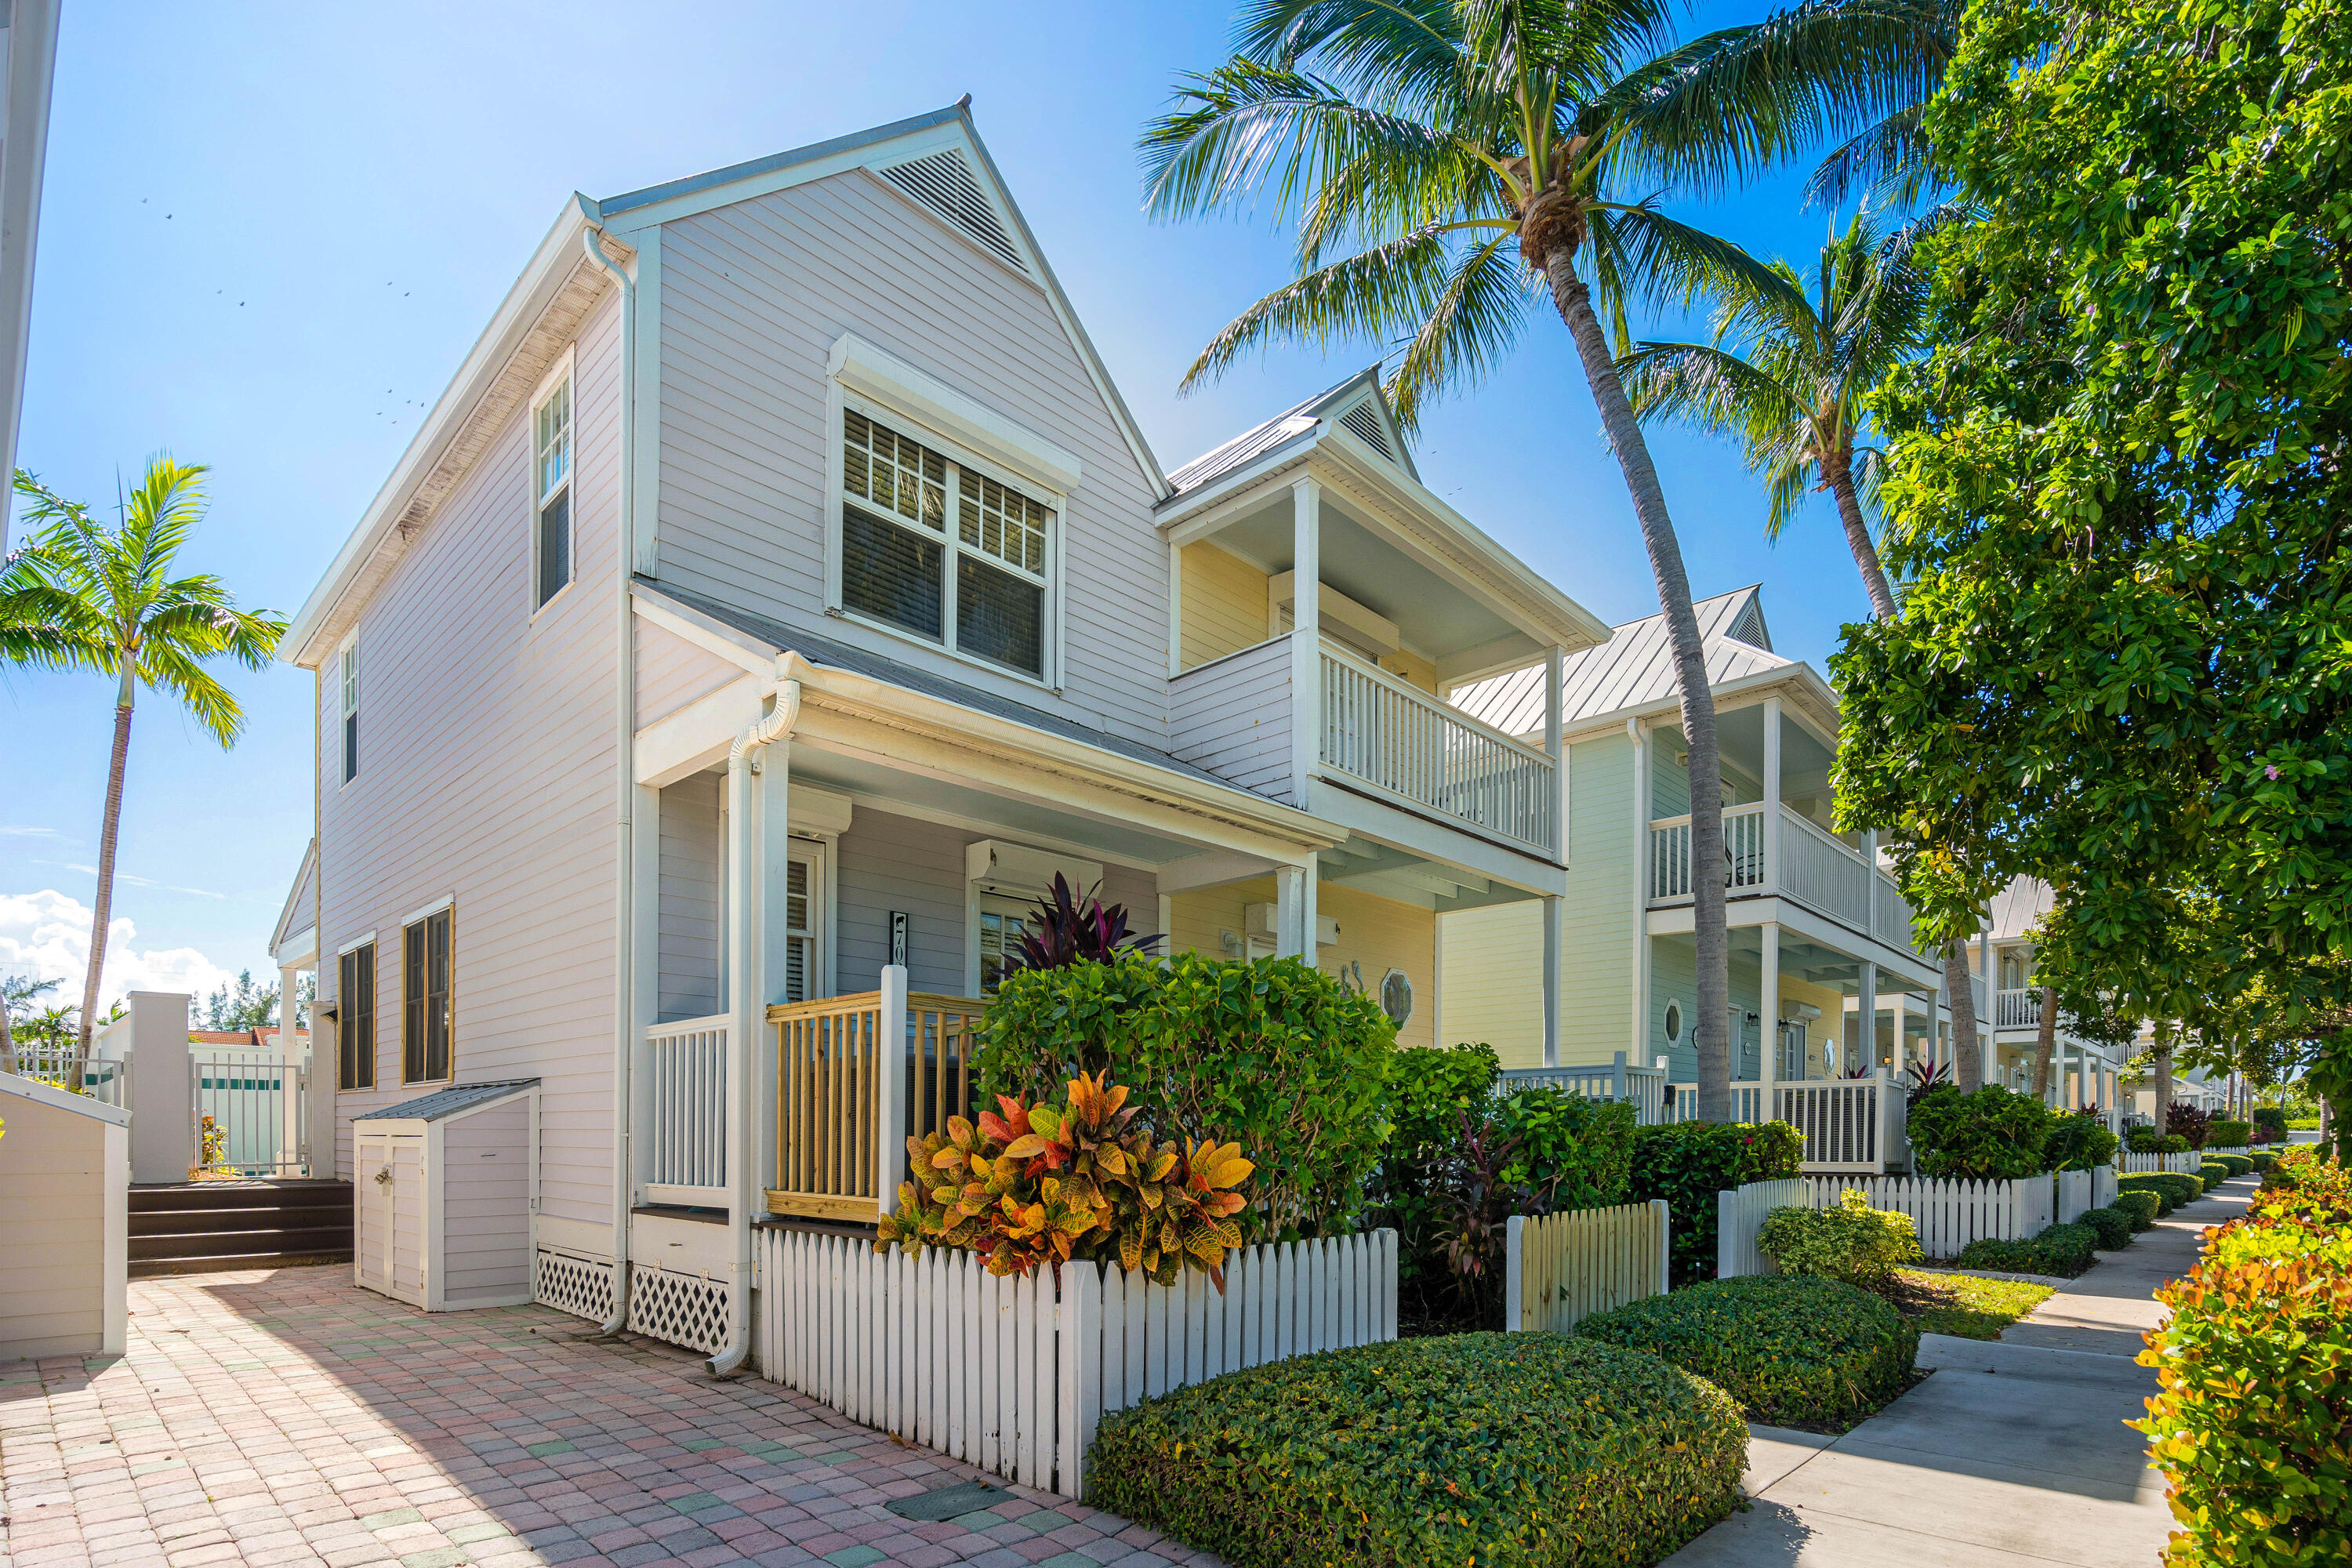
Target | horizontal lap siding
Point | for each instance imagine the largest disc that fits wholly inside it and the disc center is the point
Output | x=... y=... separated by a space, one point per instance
x=1494 y=981
x=1225 y=602
x=917 y=868
x=52 y=1230
x=690 y=917
x=1597 y=920
x=487 y=772
x=1233 y=718
x=485 y=1208
x=673 y=672
x=752 y=297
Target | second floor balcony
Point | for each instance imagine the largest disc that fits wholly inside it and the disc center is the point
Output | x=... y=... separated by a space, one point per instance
x=1771 y=852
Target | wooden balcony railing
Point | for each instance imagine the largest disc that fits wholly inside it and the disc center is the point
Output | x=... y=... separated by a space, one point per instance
x=855 y=1076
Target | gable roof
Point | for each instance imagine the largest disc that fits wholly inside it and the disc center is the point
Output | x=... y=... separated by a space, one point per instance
x=935 y=159
x=1634 y=669
x=294 y=918
x=1357 y=404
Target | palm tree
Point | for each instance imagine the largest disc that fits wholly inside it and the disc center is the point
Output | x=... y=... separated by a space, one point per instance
x=1452 y=153
x=1788 y=375
x=103 y=599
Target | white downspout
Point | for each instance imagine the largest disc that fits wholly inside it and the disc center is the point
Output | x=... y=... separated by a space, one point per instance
x=747 y=1003
x=624 y=1040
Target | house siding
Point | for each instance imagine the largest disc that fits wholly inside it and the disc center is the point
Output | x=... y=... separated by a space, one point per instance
x=752 y=297
x=488 y=773
x=1494 y=981
x=1375 y=933
x=1233 y=718
x=672 y=672
x=1223 y=603
x=688 y=902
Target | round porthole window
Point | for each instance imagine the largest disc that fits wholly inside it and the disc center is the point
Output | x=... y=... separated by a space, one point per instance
x=1674 y=1022
x=1396 y=996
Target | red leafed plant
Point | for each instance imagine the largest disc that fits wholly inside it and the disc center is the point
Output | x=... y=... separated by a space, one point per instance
x=1027 y=1184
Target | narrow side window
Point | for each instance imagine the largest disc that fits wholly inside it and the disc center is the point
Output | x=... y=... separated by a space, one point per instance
x=424 y=1012
x=347 y=678
x=355 y=1018
x=551 y=486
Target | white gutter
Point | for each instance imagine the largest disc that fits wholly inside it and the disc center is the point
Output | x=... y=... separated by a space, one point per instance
x=747 y=1007
x=625 y=784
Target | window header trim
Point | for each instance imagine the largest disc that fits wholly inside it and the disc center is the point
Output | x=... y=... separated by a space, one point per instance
x=899 y=387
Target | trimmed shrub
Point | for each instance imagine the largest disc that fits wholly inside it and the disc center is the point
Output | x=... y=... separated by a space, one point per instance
x=2238 y=1164
x=2263 y=1481
x=1514 y=1451
x=2213 y=1173
x=2262 y=1160
x=1852 y=1242
x=2113 y=1226
x=2079 y=1141
x=2145 y=1140
x=1788 y=1347
x=2174 y=1187
x=2270 y=1124
x=1990 y=1135
x=2140 y=1208
x=2064 y=1249
x=2230 y=1135
x=1270 y=1054
x=1692 y=1164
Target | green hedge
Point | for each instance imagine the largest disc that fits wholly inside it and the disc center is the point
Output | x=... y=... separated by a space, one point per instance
x=1507 y=1451
x=2113 y=1227
x=2262 y=1159
x=2147 y=1141
x=1788 y=1347
x=1692 y=1164
x=2213 y=1172
x=2142 y=1208
x=2271 y=1122
x=1990 y=1135
x=2174 y=1187
x=2230 y=1135
x=2240 y=1164
x=1853 y=1241
x=2062 y=1250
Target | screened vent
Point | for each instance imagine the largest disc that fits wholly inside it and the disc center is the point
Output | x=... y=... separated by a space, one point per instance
x=1364 y=420
x=1749 y=629
x=943 y=183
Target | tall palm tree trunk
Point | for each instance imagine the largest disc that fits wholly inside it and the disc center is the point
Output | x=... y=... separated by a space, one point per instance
x=102 y=905
x=1968 y=1054
x=1857 y=538
x=2163 y=1078
x=2045 y=1043
x=1710 y=1035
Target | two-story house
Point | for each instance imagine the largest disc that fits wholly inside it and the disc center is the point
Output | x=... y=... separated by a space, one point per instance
x=779 y=596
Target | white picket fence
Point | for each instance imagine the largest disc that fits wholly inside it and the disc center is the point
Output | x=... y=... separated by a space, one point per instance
x=1740 y=1218
x=2079 y=1192
x=1012 y=1376
x=2226 y=1149
x=1565 y=1267
x=2132 y=1164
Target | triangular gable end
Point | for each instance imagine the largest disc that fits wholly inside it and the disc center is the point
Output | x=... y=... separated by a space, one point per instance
x=1369 y=419
x=945 y=182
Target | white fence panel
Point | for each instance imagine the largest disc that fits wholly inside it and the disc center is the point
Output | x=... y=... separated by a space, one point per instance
x=1012 y=1376
x=2133 y=1165
x=1740 y=1218
x=1950 y=1214
x=1565 y=1267
x=2102 y=1187
x=2073 y=1195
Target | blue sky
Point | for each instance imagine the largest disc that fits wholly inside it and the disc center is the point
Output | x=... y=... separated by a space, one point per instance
x=271 y=233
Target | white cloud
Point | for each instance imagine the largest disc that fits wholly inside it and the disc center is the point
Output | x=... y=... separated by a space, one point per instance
x=17 y=830
x=47 y=935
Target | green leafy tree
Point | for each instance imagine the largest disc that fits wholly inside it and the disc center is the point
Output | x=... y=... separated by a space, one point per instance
x=1448 y=162
x=104 y=599
x=2117 y=491
x=18 y=993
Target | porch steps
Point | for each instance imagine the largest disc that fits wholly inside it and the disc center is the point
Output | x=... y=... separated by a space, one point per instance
x=199 y=1227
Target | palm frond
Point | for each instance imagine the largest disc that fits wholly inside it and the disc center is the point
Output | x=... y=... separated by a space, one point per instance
x=1702 y=386
x=1658 y=261
x=1887 y=162
x=1382 y=293
x=1472 y=323
x=1406 y=54
x=167 y=667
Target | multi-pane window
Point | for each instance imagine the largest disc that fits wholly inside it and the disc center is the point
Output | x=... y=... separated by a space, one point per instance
x=424 y=1015
x=348 y=674
x=552 y=484
x=355 y=1018
x=978 y=588
x=1002 y=923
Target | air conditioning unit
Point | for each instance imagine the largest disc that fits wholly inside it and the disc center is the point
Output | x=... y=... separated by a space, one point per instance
x=1018 y=871
x=1260 y=920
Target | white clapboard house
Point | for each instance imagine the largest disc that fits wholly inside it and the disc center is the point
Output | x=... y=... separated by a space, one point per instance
x=780 y=595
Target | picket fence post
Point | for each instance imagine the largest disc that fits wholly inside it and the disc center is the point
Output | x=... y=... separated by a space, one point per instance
x=1513 y=1264
x=1664 y=1214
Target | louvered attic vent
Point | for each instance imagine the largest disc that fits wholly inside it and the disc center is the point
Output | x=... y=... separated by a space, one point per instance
x=943 y=183
x=1750 y=629
x=1365 y=421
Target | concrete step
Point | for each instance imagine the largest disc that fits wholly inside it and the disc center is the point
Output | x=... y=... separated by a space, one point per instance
x=155 y=1268
x=237 y=1242
x=211 y=1197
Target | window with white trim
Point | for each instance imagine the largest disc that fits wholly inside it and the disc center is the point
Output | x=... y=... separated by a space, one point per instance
x=977 y=584
x=347 y=675
x=550 y=468
x=427 y=1017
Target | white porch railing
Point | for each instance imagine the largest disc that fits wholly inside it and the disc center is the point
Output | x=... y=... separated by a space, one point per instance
x=1643 y=1088
x=107 y=1082
x=2132 y=1164
x=238 y=1102
x=1816 y=869
x=1849 y=1124
x=1891 y=912
x=1405 y=742
x=1743 y=853
x=685 y=1107
x=1820 y=871
x=2019 y=1008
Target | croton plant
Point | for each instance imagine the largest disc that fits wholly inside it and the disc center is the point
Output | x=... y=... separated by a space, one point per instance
x=1031 y=1183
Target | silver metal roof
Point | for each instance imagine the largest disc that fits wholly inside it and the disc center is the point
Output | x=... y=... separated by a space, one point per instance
x=1284 y=428
x=1634 y=669
x=446 y=1103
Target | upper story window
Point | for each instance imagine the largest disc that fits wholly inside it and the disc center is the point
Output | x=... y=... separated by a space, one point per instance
x=347 y=675
x=551 y=422
x=976 y=583
x=426 y=1015
x=356 y=1017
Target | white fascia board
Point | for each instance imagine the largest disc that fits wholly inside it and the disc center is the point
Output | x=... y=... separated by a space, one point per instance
x=674 y=199
x=1801 y=676
x=59 y=1100
x=531 y=293
x=298 y=951
x=883 y=376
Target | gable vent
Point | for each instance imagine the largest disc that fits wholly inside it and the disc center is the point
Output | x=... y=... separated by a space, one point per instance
x=1751 y=626
x=943 y=183
x=1365 y=421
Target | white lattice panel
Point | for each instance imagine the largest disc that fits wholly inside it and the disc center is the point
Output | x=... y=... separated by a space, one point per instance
x=579 y=1285
x=677 y=1309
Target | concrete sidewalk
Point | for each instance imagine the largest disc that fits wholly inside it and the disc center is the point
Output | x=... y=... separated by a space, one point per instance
x=2014 y=1452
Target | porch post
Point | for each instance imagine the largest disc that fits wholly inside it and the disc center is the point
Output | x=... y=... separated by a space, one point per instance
x=1559 y=763
x=1289 y=898
x=1867 y=1034
x=1552 y=912
x=1771 y=795
x=774 y=934
x=289 y=1068
x=1306 y=647
x=1767 y=1043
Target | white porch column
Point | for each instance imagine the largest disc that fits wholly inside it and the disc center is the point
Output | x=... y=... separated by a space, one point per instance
x=1772 y=796
x=289 y=1074
x=1867 y=1034
x=1768 y=1037
x=1306 y=650
x=1551 y=935
x=1558 y=761
x=1291 y=914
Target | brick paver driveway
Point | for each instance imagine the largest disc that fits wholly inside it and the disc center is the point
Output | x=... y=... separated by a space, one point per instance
x=287 y=1417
